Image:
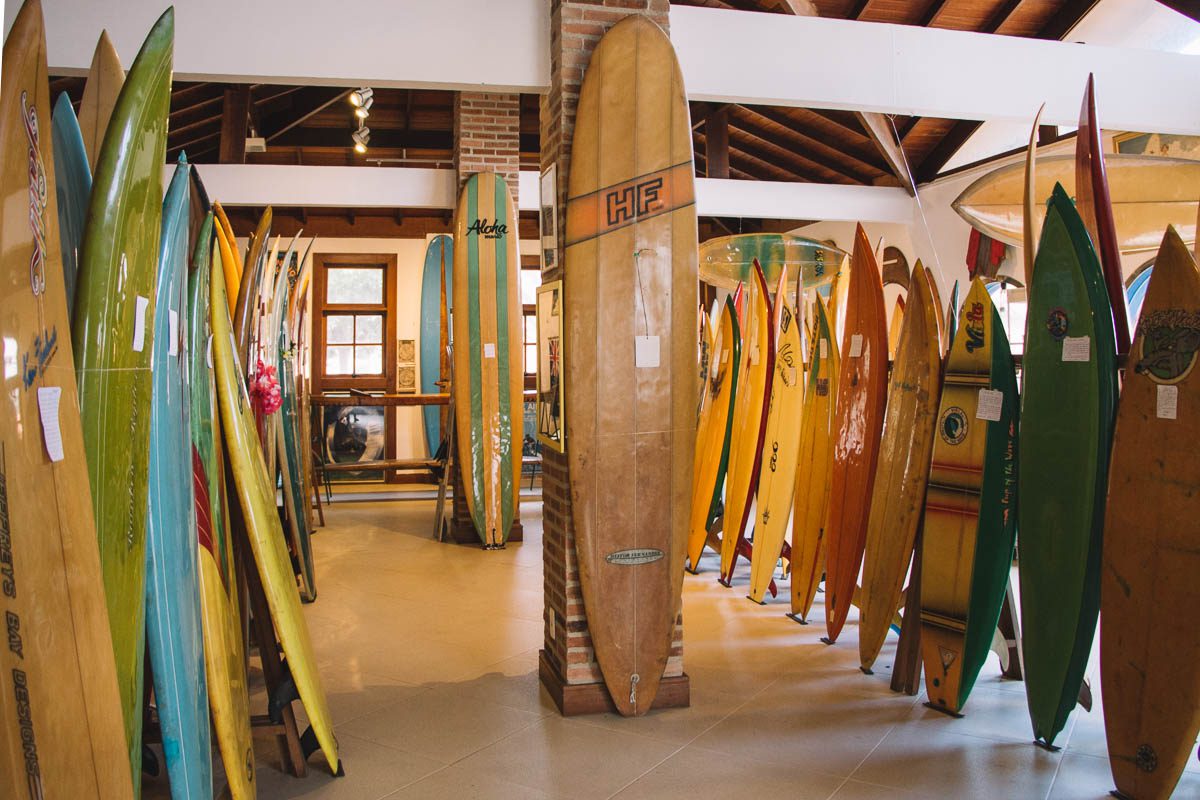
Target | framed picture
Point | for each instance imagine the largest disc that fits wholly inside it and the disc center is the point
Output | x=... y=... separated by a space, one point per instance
x=548 y=218
x=550 y=428
x=406 y=367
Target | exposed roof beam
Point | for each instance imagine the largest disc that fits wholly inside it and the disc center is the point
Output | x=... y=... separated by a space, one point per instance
x=880 y=130
x=750 y=128
x=945 y=149
x=331 y=98
x=1065 y=18
x=932 y=13
x=821 y=139
x=1000 y=16
x=859 y=9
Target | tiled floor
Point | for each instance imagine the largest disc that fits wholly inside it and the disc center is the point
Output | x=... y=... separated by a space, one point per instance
x=429 y=656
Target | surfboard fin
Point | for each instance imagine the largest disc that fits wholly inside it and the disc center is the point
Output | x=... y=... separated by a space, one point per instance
x=283 y=694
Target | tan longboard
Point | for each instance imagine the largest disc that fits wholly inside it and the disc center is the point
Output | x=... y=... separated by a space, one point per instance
x=104 y=82
x=630 y=295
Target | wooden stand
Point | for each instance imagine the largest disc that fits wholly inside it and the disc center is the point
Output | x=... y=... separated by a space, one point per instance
x=906 y=669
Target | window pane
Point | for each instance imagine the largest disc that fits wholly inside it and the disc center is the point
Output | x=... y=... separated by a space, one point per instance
x=530 y=329
x=368 y=360
x=354 y=285
x=530 y=280
x=368 y=328
x=339 y=329
x=339 y=360
x=530 y=359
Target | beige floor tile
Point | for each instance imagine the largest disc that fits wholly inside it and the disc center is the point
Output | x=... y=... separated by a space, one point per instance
x=857 y=790
x=999 y=715
x=1083 y=777
x=693 y=772
x=565 y=758
x=459 y=782
x=372 y=771
x=676 y=725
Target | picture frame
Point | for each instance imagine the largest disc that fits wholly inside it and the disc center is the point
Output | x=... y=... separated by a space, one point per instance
x=548 y=216
x=551 y=402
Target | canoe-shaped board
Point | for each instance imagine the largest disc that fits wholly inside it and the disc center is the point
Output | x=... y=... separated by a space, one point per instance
x=728 y=261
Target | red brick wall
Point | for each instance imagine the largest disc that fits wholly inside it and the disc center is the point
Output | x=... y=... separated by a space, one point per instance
x=487 y=136
x=575 y=28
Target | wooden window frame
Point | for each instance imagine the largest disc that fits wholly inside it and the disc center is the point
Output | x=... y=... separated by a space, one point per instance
x=528 y=264
x=321 y=310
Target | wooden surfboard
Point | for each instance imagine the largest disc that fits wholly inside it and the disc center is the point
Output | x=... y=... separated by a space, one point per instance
x=1031 y=220
x=938 y=306
x=858 y=419
x=246 y=296
x=781 y=445
x=1148 y=636
x=815 y=460
x=437 y=287
x=112 y=332
x=1070 y=387
x=895 y=325
x=104 y=81
x=750 y=409
x=227 y=244
x=970 y=516
x=73 y=184
x=713 y=431
x=488 y=354
x=61 y=722
x=1095 y=208
x=174 y=640
x=629 y=272
x=898 y=493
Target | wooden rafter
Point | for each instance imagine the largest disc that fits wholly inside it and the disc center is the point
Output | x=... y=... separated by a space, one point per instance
x=880 y=130
x=818 y=140
x=794 y=154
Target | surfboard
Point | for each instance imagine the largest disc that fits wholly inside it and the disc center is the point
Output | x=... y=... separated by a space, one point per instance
x=61 y=722
x=970 y=514
x=231 y=262
x=898 y=492
x=104 y=81
x=1031 y=220
x=727 y=262
x=814 y=462
x=256 y=496
x=781 y=445
x=630 y=299
x=838 y=291
x=248 y=292
x=1137 y=295
x=437 y=287
x=895 y=325
x=750 y=409
x=489 y=379
x=1148 y=193
x=1070 y=387
x=952 y=311
x=224 y=661
x=73 y=185
x=1094 y=205
x=1152 y=542
x=174 y=639
x=858 y=420
x=713 y=431
x=938 y=306
x=112 y=332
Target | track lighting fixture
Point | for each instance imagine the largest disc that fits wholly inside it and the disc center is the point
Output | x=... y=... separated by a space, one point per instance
x=361 y=138
x=361 y=97
x=363 y=111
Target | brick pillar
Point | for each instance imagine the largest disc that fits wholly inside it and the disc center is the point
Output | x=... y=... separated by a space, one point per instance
x=567 y=665
x=487 y=138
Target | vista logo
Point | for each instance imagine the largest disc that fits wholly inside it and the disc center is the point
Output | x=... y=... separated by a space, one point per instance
x=480 y=227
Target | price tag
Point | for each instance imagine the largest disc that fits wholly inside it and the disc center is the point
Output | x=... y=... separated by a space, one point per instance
x=856 y=345
x=173 y=336
x=991 y=403
x=489 y=350
x=139 y=323
x=645 y=352
x=1077 y=348
x=1168 y=402
x=208 y=353
x=48 y=397
x=789 y=376
x=824 y=348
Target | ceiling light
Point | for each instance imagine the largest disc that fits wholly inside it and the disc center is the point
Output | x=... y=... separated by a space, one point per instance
x=361 y=137
x=360 y=97
x=363 y=111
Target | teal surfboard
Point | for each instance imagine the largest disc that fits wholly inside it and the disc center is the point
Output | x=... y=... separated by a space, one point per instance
x=1067 y=413
x=439 y=263
x=1137 y=295
x=73 y=187
x=174 y=636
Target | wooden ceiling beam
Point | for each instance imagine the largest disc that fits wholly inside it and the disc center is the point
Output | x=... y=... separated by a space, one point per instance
x=328 y=98
x=830 y=143
x=796 y=158
x=931 y=13
x=1000 y=16
x=880 y=129
x=755 y=169
x=215 y=119
x=193 y=141
x=184 y=111
x=235 y=117
x=858 y=9
x=1065 y=18
x=183 y=94
x=716 y=144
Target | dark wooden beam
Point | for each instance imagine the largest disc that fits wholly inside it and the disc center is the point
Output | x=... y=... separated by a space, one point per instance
x=931 y=13
x=945 y=149
x=815 y=137
x=794 y=156
x=716 y=144
x=859 y=9
x=1000 y=16
x=880 y=129
x=1047 y=134
x=234 y=120
x=1189 y=8
x=1065 y=18
x=328 y=98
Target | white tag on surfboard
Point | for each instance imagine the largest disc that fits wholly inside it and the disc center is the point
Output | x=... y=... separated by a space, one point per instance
x=1077 y=348
x=489 y=350
x=1167 y=406
x=48 y=397
x=173 y=334
x=824 y=348
x=991 y=403
x=856 y=345
x=139 y=323
x=645 y=352
x=208 y=354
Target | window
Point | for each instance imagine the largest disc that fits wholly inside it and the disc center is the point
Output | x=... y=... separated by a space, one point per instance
x=531 y=279
x=355 y=322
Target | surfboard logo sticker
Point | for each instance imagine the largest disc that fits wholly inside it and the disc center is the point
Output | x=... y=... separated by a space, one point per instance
x=1170 y=340
x=1058 y=323
x=628 y=202
x=37 y=196
x=481 y=227
x=1146 y=759
x=953 y=425
x=974 y=327
x=635 y=556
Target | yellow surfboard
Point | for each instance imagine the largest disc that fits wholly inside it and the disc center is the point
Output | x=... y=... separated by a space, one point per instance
x=781 y=445
x=104 y=81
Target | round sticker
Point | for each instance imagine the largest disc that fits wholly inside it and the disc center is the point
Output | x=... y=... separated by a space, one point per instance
x=1057 y=323
x=953 y=425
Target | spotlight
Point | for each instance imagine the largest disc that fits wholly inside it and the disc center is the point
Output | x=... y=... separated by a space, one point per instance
x=363 y=111
x=360 y=97
x=361 y=137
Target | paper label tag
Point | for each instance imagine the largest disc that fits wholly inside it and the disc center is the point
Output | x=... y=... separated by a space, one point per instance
x=173 y=336
x=856 y=345
x=139 y=324
x=208 y=353
x=991 y=403
x=789 y=376
x=48 y=397
x=824 y=348
x=489 y=349
x=1168 y=402
x=645 y=352
x=1077 y=348
x=754 y=355
x=724 y=356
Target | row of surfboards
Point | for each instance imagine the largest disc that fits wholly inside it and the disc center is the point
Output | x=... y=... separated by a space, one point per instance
x=129 y=426
x=1104 y=499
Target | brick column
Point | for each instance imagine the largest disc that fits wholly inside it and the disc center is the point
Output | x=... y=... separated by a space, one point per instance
x=487 y=138
x=567 y=665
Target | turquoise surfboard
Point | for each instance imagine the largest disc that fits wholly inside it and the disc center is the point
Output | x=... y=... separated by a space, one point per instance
x=1137 y=295
x=73 y=187
x=174 y=635
x=439 y=260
